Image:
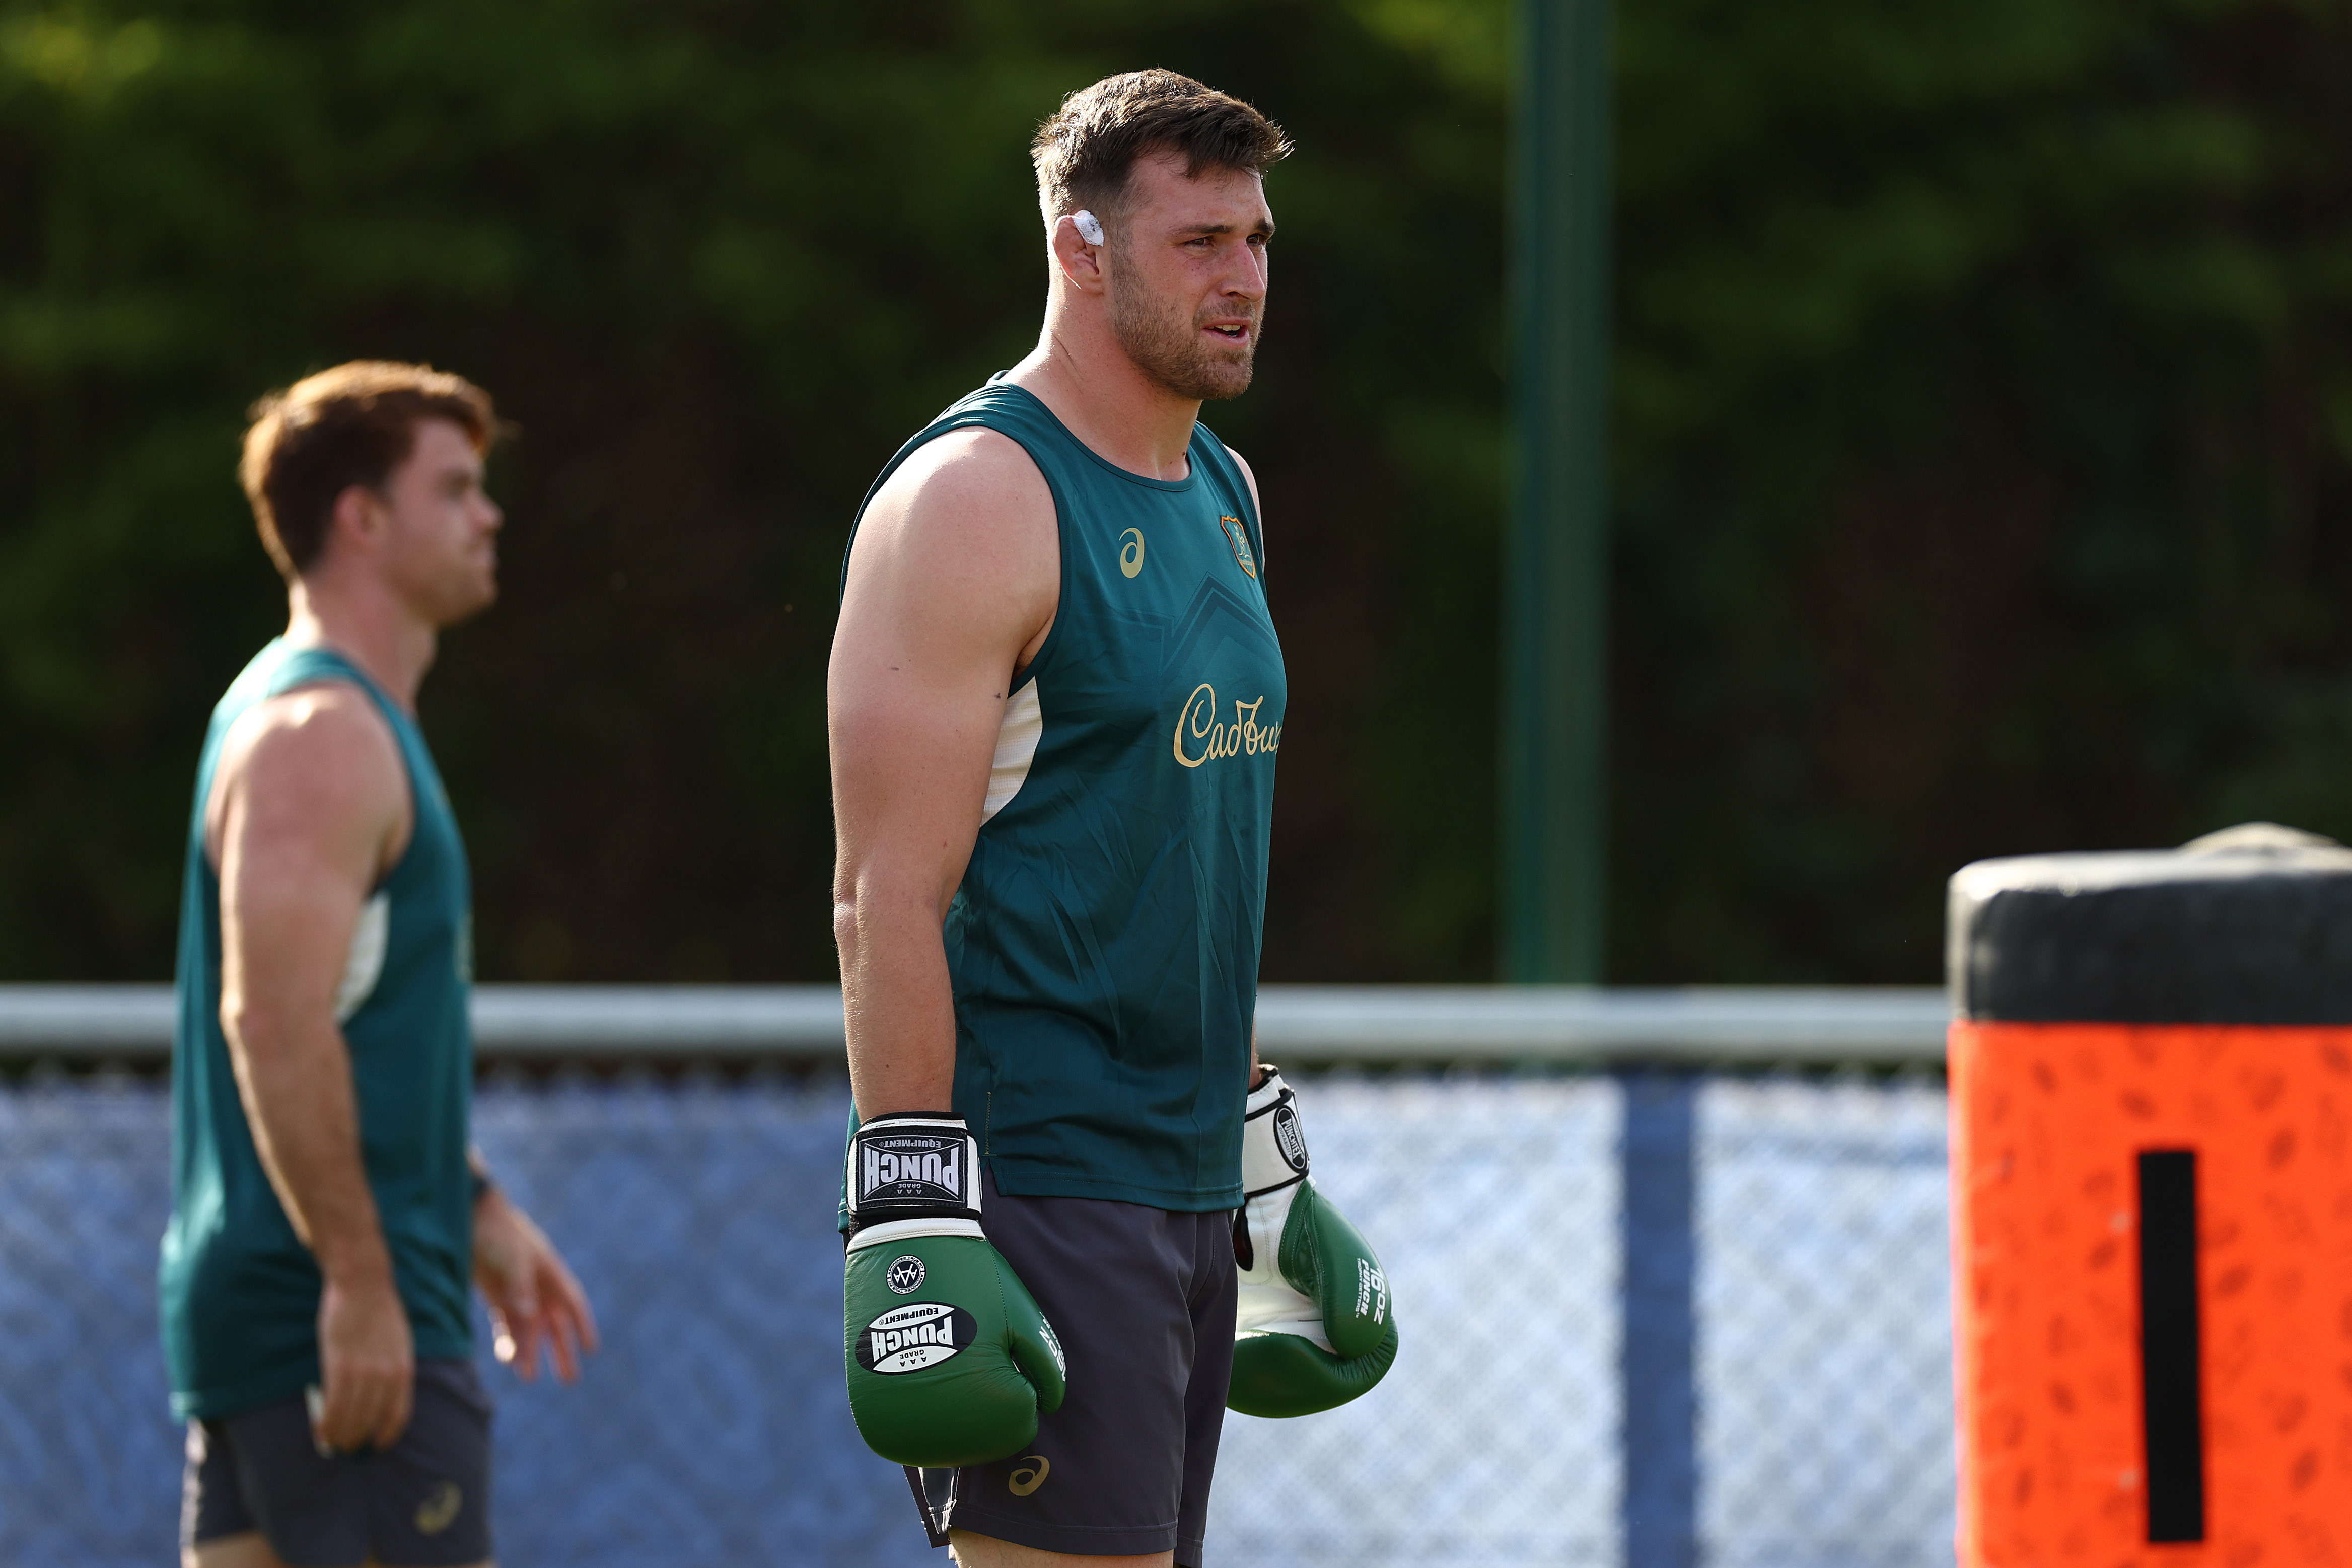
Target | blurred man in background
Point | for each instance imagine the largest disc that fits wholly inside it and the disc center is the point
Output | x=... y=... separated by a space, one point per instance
x=1055 y=701
x=328 y=1211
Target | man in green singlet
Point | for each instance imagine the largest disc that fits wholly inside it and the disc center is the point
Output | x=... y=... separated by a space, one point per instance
x=1055 y=701
x=328 y=1214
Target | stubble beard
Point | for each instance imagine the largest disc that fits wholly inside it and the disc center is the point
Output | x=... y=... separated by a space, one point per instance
x=1165 y=342
x=476 y=591
x=450 y=592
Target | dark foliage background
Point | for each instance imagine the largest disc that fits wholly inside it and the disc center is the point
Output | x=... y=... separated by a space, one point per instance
x=1984 y=407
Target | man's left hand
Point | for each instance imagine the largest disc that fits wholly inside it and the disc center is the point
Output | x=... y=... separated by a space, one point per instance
x=534 y=1301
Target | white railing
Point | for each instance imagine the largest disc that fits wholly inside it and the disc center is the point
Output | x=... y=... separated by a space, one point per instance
x=1318 y=1024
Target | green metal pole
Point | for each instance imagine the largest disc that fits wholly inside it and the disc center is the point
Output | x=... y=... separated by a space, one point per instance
x=1556 y=559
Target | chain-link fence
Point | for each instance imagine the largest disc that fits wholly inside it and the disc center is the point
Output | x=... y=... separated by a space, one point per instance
x=1494 y=1204
x=1824 y=1360
x=714 y=1429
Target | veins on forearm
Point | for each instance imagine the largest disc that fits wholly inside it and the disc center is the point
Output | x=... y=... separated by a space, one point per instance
x=898 y=1010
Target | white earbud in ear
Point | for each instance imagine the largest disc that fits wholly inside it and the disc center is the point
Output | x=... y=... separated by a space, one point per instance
x=1089 y=226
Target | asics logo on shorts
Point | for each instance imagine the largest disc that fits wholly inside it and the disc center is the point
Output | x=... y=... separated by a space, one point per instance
x=439 y=1512
x=1034 y=1468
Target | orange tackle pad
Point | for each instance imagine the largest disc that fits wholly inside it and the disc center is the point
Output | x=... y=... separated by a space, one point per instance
x=2049 y=1124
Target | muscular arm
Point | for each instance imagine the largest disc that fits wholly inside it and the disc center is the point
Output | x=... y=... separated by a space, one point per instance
x=952 y=585
x=309 y=807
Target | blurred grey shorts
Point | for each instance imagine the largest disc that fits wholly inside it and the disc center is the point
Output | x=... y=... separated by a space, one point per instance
x=423 y=1503
x=1142 y=1300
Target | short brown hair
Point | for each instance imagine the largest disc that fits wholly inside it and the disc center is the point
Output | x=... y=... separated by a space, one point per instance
x=349 y=425
x=1085 y=154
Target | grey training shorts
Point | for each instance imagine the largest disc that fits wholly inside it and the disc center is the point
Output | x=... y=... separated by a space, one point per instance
x=423 y=1504
x=1142 y=1300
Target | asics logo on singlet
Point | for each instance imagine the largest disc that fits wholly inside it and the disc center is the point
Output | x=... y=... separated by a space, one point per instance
x=1201 y=737
x=1130 y=552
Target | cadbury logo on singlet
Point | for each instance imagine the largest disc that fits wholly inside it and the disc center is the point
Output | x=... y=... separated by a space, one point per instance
x=910 y=1338
x=1201 y=737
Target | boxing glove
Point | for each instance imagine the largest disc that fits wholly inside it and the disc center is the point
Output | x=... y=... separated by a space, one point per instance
x=947 y=1356
x=1314 y=1328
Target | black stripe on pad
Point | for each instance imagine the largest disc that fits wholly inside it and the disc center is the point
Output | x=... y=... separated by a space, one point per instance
x=2171 y=1357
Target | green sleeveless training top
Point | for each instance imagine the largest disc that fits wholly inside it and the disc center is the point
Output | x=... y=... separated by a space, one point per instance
x=240 y=1291
x=1103 y=944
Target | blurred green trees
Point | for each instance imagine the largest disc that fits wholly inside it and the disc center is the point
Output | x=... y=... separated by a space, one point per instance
x=1983 y=398
x=1987 y=404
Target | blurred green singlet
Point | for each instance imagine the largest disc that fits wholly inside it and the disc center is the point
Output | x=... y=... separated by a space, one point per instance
x=240 y=1291
x=1103 y=946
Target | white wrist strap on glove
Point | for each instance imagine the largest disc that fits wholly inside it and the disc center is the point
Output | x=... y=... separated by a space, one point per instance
x=1274 y=1173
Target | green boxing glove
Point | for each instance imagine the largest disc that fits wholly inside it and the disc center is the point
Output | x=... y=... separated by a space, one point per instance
x=1314 y=1328
x=949 y=1358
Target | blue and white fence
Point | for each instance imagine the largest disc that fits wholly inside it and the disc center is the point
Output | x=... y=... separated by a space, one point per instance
x=1673 y=1282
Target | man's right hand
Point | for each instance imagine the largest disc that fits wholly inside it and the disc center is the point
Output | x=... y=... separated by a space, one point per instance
x=367 y=1361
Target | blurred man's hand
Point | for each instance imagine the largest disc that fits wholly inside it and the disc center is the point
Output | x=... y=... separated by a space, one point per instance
x=535 y=1303
x=367 y=1362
